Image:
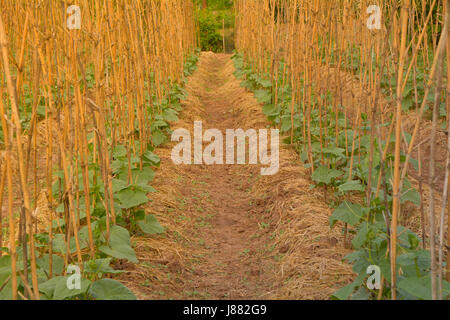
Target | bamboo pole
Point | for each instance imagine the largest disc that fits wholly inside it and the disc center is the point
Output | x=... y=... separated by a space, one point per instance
x=396 y=186
x=441 y=274
x=18 y=133
x=12 y=226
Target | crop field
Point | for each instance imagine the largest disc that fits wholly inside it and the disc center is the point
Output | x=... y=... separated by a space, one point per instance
x=225 y=150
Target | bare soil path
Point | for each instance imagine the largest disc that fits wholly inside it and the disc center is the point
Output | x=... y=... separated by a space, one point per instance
x=230 y=268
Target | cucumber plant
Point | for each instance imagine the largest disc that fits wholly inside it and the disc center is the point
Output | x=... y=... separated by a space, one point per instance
x=333 y=169
x=130 y=187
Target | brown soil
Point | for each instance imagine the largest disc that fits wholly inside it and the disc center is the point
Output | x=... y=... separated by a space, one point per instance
x=232 y=233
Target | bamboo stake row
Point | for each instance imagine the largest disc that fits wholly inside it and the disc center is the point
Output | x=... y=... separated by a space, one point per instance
x=68 y=97
x=328 y=50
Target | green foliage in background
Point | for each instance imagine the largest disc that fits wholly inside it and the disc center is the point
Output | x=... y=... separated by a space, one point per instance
x=217 y=4
x=210 y=38
x=215 y=23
